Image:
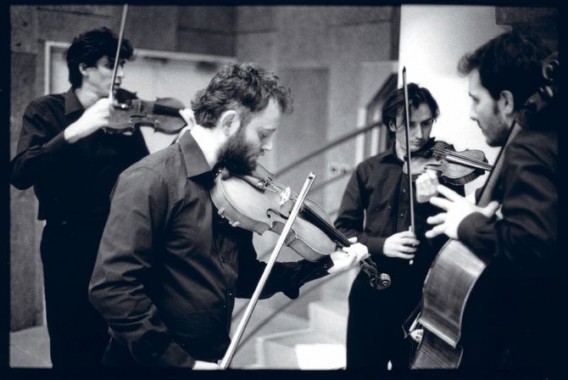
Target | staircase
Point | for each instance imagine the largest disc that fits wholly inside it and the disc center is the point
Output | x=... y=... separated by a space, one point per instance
x=289 y=340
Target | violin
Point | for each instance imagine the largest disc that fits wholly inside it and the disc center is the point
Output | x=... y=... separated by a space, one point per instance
x=452 y=167
x=129 y=112
x=256 y=203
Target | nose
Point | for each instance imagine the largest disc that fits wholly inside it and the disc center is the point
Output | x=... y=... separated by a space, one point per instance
x=419 y=132
x=472 y=114
x=120 y=72
x=267 y=146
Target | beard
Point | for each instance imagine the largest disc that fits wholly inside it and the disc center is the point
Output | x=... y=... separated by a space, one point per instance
x=235 y=155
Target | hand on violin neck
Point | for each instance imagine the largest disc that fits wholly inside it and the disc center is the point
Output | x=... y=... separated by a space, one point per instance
x=94 y=118
x=348 y=257
x=456 y=208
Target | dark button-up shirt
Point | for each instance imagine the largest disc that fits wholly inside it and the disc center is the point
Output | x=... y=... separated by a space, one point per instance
x=71 y=181
x=522 y=246
x=376 y=205
x=169 y=267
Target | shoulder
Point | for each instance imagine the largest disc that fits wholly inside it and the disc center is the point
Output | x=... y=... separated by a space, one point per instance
x=161 y=164
x=45 y=103
x=373 y=163
x=535 y=144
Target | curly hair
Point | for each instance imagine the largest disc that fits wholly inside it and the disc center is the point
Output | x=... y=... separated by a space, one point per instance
x=245 y=87
x=416 y=96
x=511 y=61
x=91 y=46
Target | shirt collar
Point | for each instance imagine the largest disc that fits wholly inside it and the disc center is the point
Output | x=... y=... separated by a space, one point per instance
x=194 y=159
x=72 y=103
x=389 y=155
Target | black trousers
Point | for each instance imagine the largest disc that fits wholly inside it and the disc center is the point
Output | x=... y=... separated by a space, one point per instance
x=375 y=332
x=78 y=334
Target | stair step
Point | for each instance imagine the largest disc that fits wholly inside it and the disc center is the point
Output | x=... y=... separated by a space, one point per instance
x=246 y=355
x=329 y=318
x=300 y=349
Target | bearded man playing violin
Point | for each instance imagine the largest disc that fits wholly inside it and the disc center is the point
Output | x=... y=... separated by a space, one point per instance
x=169 y=266
x=72 y=165
x=376 y=209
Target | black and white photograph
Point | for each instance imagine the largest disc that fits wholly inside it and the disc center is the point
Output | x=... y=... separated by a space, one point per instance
x=362 y=190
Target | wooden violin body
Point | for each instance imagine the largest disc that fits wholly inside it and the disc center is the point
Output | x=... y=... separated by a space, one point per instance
x=256 y=203
x=129 y=112
x=453 y=168
x=249 y=203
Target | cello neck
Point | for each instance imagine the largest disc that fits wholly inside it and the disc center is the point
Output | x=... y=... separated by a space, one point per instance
x=486 y=194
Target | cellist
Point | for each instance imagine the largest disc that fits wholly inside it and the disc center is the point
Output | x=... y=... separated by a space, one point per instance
x=512 y=88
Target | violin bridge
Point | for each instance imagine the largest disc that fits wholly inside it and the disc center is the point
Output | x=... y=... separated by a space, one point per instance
x=285 y=196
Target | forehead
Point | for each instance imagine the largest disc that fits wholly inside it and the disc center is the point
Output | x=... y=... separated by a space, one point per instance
x=474 y=82
x=422 y=112
x=268 y=118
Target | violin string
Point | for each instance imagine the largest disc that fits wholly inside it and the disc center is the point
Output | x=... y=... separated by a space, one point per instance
x=464 y=157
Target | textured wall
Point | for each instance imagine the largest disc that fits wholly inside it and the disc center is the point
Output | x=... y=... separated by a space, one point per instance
x=344 y=42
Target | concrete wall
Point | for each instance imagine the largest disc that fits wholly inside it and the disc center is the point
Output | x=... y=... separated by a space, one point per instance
x=347 y=48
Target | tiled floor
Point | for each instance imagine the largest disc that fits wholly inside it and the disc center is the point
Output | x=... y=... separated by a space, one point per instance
x=29 y=348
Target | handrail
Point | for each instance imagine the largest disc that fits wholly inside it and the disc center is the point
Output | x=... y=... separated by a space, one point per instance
x=326 y=147
x=287 y=304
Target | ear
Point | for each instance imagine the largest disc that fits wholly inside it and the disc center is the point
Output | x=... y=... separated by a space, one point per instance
x=506 y=103
x=229 y=122
x=83 y=68
x=392 y=126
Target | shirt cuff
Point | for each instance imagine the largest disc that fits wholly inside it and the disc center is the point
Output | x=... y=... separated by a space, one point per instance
x=310 y=271
x=174 y=356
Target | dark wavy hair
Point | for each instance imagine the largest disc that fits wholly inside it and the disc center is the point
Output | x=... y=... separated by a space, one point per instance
x=511 y=61
x=91 y=46
x=416 y=96
x=245 y=87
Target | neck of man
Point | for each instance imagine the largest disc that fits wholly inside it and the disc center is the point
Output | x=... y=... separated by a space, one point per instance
x=400 y=151
x=86 y=95
x=210 y=141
